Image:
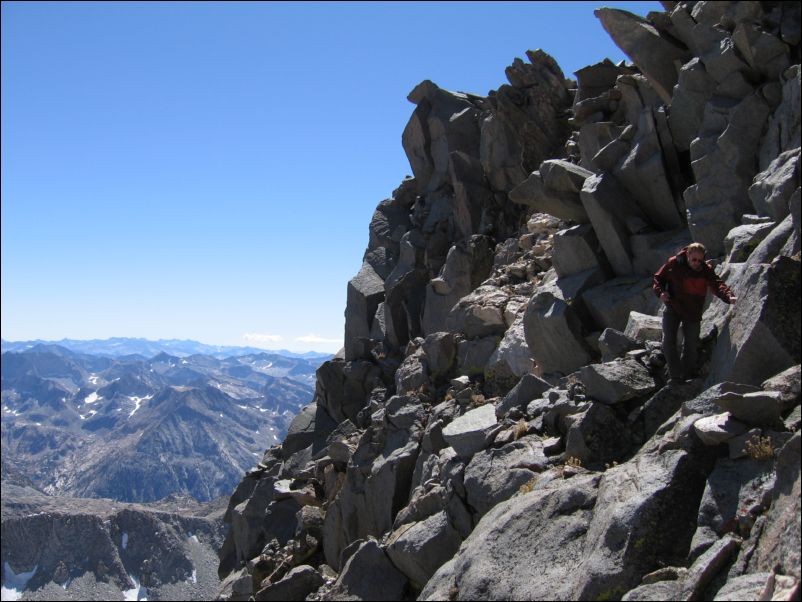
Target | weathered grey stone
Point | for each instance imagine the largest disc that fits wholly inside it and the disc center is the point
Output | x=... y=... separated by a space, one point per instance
x=717 y=314
x=530 y=539
x=734 y=490
x=427 y=465
x=743 y=587
x=311 y=426
x=594 y=80
x=495 y=475
x=529 y=387
x=473 y=356
x=771 y=246
x=412 y=374
x=422 y=503
x=651 y=250
x=418 y=550
x=785 y=125
x=762 y=51
x=237 y=586
x=705 y=402
x=614 y=343
x=468 y=433
x=692 y=91
x=539 y=89
x=648 y=500
x=762 y=337
x=297 y=584
x=467 y=264
x=570 y=288
x=416 y=141
x=440 y=349
x=576 y=250
x=247 y=524
x=642 y=327
x=723 y=61
x=554 y=335
x=378 y=331
x=533 y=192
x=718 y=428
x=391 y=220
x=648 y=418
x=742 y=240
x=500 y=154
x=282 y=490
x=723 y=160
x=611 y=303
x=555 y=409
x=773 y=544
x=342 y=388
x=377 y=480
x=761 y=407
x=479 y=314
x=616 y=381
x=442 y=122
x=612 y=213
x=406 y=290
x=596 y=436
x=778 y=543
x=773 y=187
x=471 y=193
x=511 y=360
x=653 y=53
x=661 y=590
x=637 y=94
x=593 y=137
x=707 y=566
x=642 y=172
x=603 y=106
x=527 y=124
x=794 y=243
x=369 y=575
x=787 y=383
x=563 y=176
x=365 y=292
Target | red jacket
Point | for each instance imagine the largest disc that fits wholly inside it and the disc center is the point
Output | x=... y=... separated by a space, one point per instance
x=687 y=288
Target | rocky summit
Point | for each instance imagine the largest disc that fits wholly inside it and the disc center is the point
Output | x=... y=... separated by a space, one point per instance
x=499 y=424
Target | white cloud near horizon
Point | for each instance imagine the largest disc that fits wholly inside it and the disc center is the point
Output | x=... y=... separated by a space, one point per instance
x=263 y=338
x=314 y=338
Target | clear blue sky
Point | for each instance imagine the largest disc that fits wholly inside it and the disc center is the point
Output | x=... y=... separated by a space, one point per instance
x=209 y=170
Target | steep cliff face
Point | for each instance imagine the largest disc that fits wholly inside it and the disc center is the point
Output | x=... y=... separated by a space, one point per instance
x=60 y=548
x=497 y=424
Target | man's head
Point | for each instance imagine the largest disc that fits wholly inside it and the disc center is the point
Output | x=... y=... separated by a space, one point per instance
x=696 y=255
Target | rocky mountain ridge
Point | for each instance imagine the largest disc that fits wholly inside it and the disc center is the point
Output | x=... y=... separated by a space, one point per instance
x=135 y=429
x=497 y=425
x=117 y=346
x=93 y=430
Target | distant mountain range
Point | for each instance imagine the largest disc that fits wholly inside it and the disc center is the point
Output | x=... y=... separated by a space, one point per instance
x=136 y=428
x=121 y=346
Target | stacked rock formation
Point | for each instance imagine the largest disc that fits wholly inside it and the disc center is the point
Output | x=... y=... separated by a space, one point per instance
x=496 y=426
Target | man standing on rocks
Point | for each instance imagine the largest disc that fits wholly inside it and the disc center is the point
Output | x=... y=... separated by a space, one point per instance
x=682 y=285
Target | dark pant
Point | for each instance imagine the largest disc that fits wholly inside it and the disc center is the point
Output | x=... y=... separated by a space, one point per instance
x=686 y=368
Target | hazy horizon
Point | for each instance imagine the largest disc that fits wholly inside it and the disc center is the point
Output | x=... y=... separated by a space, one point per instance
x=162 y=340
